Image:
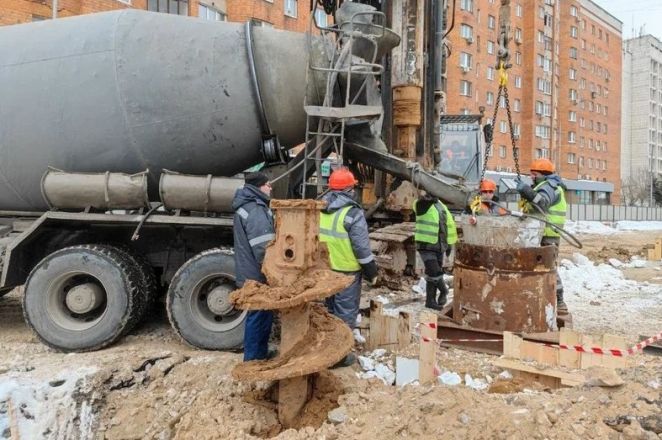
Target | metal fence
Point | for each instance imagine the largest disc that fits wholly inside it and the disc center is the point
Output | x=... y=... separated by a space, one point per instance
x=609 y=213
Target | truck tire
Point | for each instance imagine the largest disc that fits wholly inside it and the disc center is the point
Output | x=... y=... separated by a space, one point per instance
x=214 y=325
x=148 y=282
x=85 y=321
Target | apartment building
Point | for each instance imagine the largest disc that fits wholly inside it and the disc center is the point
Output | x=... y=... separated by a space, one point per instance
x=590 y=97
x=564 y=87
x=282 y=14
x=641 y=138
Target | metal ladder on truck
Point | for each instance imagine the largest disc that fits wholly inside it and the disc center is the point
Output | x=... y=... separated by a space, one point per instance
x=325 y=124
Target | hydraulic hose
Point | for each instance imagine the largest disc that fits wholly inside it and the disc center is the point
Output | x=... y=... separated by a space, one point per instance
x=567 y=236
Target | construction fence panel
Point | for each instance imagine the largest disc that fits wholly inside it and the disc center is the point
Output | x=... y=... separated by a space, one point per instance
x=606 y=213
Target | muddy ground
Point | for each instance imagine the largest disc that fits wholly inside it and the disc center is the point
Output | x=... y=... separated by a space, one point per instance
x=151 y=385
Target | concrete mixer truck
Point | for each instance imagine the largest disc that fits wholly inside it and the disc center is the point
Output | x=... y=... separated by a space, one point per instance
x=116 y=130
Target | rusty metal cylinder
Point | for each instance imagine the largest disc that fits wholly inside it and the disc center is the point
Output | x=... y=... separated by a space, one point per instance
x=512 y=289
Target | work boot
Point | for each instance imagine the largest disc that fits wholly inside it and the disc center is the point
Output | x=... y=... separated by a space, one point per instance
x=561 y=306
x=443 y=293
x=347 y=361
x=431 y=296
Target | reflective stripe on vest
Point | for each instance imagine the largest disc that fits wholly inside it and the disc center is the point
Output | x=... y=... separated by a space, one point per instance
x=334 y=234
x=427 y=225
x=556 y=213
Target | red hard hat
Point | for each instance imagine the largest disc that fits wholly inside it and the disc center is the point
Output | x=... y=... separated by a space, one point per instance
x=543 y=166
x=342 y=178
x=487 y=185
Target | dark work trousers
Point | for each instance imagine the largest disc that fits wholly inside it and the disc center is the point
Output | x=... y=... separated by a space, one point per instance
x=433 y=262
x=556 y=241
x=256 y=334
x=345 y=304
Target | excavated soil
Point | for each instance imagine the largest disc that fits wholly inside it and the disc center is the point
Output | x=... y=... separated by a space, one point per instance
x=151 y=386
x=327 y=341
x=312 y=286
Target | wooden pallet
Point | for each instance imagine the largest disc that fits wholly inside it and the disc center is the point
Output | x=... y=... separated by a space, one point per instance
x=385 y=331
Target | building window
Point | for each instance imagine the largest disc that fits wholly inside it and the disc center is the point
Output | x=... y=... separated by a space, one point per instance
x=490 y=73
x=573 y=94
x=465 y=60
x=518 y=82
x=209 y=13
x=518 y=35
x=572 y=116
x=518 y=58
x=572 y=73
x=543 y=131
x=502 y=151
x=467 y=5
x=179 y=7
x=290 y=8
x=574 y=32
x=573 y=11
x=503 y=127
x=545 y=86
x=489 y=99
x=260 y=23
x=571 y=157
x=573 y=53
x=490 y=47
x=466 y=31
x=572 y=136
x=465 y=88
x=321 y=18
x=491 y=22
x=517 y=105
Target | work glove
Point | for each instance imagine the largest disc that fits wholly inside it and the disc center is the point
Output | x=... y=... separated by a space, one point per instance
x=526 y=191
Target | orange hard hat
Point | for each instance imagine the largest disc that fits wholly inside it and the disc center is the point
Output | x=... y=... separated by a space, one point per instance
x=543 y=166
x=487 y=185
x=342 y=178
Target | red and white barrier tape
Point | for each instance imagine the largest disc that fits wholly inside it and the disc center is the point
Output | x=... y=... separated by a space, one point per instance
x=579 y=348
x=610 y=351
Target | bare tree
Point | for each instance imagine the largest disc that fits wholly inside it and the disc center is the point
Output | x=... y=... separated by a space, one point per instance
x=636 y=189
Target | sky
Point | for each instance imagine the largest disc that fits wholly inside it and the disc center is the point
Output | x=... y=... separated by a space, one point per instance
x=636 y=13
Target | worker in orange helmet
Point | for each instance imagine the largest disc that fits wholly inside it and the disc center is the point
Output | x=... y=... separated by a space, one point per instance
x=546 y=199
x=489 y=204
x=344 y=229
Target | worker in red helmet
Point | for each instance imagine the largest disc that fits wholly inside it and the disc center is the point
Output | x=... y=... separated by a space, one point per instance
x=489 y=204
x=546 y=199
x=344 y=229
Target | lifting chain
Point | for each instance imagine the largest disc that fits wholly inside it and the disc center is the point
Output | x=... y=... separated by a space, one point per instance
x=503 y=91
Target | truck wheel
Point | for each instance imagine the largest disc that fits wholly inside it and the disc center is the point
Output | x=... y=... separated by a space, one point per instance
x=146 y=274
x=198 y=302
x=81 y=298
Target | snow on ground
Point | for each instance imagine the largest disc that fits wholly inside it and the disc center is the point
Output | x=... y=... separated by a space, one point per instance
x=607 y=228
x=46 y=408
x=598 y=294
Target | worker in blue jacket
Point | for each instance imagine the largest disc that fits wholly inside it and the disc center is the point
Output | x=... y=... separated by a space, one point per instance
x=253 y=230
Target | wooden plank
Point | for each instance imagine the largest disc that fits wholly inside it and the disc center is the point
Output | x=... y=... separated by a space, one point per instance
x=385 y=236
x=14 y=432
x=376 y=325
x=511 y=345
x=568 y=379
x=404 y=330
x=651 y=255
x=611 y=341
x=588 y=360
x=569 y=358
x=428 y=350
x=658 y=249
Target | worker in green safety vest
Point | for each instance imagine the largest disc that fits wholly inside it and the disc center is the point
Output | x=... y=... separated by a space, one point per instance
x=548 y=194
x=344 y=229
x=435 y=235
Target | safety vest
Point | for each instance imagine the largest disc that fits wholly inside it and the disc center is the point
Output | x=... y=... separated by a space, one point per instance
x=334 y=234
x=556 y=213
x=427 y=225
